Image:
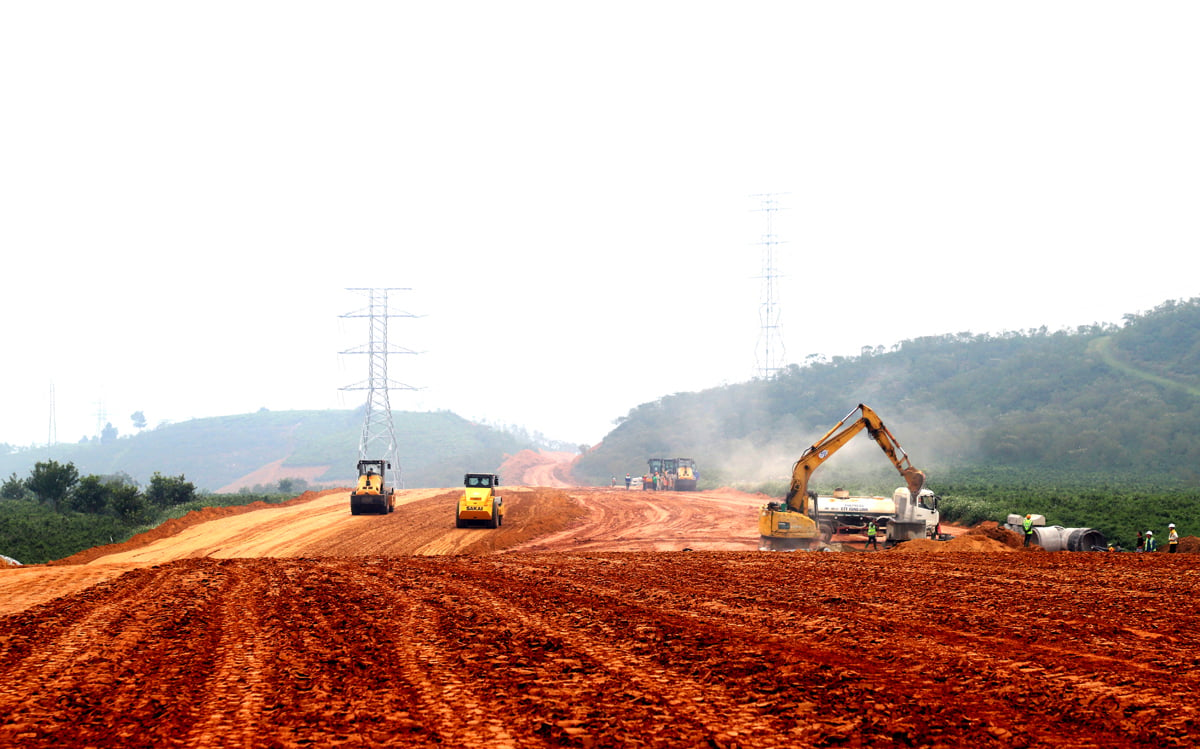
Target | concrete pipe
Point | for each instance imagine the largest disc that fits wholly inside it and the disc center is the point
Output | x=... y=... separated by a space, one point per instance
x=1049 y=537
x=1085 y=539
x=1058 y=538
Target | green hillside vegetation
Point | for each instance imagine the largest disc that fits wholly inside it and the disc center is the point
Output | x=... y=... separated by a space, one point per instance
x=435 y=448
x=54 y=511
x=1097 y=427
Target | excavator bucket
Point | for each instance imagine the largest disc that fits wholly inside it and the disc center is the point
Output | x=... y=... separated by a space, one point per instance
x=904 y=527
x=915 y=480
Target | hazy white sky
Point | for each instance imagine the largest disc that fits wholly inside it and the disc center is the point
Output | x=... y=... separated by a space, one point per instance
x=187 y=189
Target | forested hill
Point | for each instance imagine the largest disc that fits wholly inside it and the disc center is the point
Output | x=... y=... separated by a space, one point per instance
x=435 y=448
x=1108 y=399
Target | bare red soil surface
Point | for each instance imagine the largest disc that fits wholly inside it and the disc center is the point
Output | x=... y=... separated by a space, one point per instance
x=539 y=468
x=584 y=622
x=272 y=473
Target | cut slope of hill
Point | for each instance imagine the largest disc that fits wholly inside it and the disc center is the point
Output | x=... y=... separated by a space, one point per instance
x=538 y=468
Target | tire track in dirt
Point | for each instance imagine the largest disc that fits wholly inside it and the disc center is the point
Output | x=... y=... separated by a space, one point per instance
x=234 y=689
x=455 y=711
x=586 y=643
x=98 y=643
x=631 y=520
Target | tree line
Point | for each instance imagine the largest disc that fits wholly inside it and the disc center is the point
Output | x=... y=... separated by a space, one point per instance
x=54 y=511
x=60 y=487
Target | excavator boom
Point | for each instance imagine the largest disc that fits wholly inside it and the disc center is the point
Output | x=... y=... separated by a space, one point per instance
x=793 y=521
x=834 y=440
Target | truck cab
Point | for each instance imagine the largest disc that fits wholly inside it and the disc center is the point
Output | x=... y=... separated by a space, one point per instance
x=926 y=510
x=479 y=504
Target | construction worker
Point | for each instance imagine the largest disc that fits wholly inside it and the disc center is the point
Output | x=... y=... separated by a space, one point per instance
x=1141 y=542
x=1151 y=544
x=1028 y=525
x=872 y=536
x=1172 y=539
x=628 y=481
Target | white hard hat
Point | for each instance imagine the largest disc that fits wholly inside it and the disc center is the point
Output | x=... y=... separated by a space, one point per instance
x=1149 y=533
x=1172 y=525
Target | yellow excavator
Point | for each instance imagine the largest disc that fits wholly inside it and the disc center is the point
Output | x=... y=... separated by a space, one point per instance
x=792 y=524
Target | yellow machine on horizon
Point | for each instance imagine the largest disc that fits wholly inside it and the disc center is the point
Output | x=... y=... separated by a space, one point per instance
x=372 y=493
x=685 y=475
x=679 y=474
x=479 y=503
x=793 y=524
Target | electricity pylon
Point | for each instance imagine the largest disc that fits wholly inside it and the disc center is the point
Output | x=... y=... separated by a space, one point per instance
x=770 y=352
x=378 y=428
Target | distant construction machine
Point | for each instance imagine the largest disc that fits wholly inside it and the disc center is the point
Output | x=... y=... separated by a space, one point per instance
x=679 y=474
x=685 y=475
x=373 y=494
x=479 y=503
x=794 y=523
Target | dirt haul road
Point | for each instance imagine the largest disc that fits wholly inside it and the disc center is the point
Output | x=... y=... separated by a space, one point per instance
x=302 y=625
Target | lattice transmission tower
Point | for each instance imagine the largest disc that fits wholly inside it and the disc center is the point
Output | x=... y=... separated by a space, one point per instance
x=378 y=440
x=770 y=353
x=52 y=436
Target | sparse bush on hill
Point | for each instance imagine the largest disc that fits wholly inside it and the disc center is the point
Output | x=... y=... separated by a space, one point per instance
x=97 y=510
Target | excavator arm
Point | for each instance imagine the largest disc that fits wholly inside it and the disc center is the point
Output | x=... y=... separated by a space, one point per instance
x=833 y=440
x=792 y=524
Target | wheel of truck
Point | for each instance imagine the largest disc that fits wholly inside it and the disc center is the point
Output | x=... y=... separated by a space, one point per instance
x=492 y=521
x=459 y=522
x=826 y=533
x=499 y=520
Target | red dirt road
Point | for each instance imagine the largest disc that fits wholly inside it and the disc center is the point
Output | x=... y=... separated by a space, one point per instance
x=302 y=625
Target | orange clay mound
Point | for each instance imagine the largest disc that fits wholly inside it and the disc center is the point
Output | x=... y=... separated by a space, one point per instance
x=994 y=531
x=965 y=542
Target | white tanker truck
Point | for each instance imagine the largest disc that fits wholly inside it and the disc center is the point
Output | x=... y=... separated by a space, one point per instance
x=842 y=513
